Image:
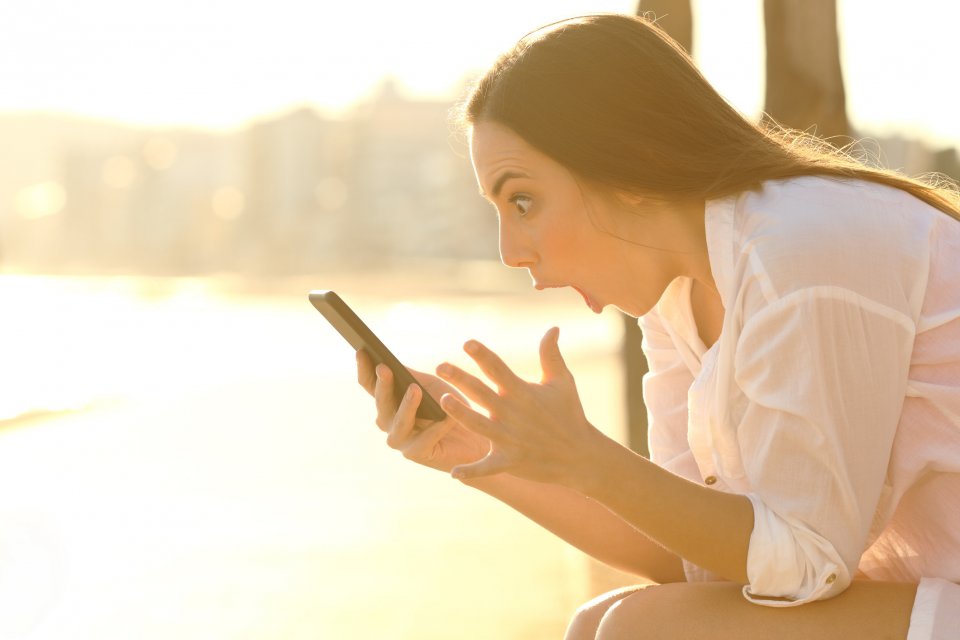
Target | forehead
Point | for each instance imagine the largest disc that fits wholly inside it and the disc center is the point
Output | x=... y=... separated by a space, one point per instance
x=496 y=150
x=493 y=145
x=488 y=136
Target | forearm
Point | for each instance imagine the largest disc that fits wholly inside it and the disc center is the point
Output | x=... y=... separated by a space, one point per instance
x=707 y=527
x=586 y=524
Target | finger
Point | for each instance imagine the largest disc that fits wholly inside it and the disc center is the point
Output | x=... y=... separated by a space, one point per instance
x=469 y=418
x=365 y=372
x=491 y=365
x=403 y=421
x=422 y=444
x=487 y=466
x=419 y=376
x=385 y=399
x=472 y=387
x=551 y=360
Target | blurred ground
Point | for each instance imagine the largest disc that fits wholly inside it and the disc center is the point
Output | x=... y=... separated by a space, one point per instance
x=223 y=478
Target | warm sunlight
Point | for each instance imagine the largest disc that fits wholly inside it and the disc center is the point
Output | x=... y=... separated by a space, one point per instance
x=40 y=200
x=219 y=65
x=184 y=446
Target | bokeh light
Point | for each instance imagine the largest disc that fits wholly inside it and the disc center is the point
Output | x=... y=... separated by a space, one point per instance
x=40 y=200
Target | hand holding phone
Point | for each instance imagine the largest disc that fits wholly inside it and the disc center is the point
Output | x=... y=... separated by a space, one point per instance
x=359 y=336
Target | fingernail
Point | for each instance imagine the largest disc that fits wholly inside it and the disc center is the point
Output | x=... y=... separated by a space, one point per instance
x=444 y=370
x=470 y=346
x=458 y=474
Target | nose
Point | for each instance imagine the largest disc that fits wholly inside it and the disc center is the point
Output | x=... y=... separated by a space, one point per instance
x=515 y=248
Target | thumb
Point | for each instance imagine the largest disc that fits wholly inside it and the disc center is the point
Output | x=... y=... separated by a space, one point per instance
x=551 y=360
x=488 y=465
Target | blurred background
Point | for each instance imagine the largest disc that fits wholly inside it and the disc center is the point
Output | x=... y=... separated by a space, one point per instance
x=183 y=451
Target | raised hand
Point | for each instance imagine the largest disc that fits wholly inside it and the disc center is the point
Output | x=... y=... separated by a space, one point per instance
x=537 y=430
x=440 y=445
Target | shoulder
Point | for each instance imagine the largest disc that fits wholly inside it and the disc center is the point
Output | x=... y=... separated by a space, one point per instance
x=825 y=232
x=824 y=208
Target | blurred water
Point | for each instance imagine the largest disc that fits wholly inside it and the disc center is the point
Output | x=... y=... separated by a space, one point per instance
x=224 y=478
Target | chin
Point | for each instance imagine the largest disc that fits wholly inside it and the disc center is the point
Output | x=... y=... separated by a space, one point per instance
x=627 y=311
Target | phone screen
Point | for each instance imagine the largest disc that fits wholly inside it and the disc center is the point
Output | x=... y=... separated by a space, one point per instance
x=359 y=336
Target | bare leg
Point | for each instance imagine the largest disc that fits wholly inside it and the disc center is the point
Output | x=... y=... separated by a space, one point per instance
x=718 y=611
x=583 y=625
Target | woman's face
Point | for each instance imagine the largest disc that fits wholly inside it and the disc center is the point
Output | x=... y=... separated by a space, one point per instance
x=568 y=236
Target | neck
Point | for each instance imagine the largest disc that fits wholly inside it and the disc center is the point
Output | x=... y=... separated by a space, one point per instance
x=695 y=261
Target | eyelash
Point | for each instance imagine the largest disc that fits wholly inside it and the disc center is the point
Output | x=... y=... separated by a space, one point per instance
x=521 y=196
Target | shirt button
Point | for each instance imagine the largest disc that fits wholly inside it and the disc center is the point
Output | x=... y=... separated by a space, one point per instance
x=710 y=480
x=831 y=578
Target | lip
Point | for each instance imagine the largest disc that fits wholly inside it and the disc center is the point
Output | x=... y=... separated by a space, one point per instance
x=594 y=305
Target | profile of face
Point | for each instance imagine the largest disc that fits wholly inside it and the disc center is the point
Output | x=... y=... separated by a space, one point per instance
x=568 y=234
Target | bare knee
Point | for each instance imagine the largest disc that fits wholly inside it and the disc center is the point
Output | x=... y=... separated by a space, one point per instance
x=583 y=625
x=636 y=616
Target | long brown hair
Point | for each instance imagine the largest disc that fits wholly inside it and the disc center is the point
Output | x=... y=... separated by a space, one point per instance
x=619 y=103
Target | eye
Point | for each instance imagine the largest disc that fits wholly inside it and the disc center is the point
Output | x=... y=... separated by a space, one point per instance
x=522 y=202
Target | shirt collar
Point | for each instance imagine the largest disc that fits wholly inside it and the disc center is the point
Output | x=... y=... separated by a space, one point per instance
x=718 y=221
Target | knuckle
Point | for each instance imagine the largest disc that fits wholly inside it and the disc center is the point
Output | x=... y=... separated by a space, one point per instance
x=392 y=441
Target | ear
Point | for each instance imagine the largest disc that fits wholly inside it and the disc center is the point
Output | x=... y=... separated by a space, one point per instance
x=637 y=204
x=630 y=199
x=644 y=204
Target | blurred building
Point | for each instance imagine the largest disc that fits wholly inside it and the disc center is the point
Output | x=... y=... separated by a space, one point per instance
x=413 y=185
x=384 y=184
x=293 y=194
x=912 y=157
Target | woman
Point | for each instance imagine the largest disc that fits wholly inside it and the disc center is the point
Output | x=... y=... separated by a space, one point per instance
x=801 y=319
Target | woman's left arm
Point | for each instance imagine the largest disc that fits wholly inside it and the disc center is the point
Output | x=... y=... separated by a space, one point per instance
x=540 y=432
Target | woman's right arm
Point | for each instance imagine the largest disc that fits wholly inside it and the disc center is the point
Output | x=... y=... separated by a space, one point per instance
x=582 y=522
x=590 y=526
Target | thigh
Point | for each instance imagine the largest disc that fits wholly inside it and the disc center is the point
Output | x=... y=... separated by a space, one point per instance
x=718 y=611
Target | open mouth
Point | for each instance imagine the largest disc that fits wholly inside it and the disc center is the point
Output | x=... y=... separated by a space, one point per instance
x=595 y=306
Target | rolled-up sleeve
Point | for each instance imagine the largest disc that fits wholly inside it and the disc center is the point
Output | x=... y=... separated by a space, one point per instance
x=823 y=372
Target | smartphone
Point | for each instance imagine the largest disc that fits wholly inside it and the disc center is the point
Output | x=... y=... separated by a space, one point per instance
x=352 y=328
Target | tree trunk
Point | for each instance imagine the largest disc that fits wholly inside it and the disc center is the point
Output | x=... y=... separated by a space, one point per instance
x=804 y=79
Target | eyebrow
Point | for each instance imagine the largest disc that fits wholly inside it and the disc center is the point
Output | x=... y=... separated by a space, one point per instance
x=498 y=185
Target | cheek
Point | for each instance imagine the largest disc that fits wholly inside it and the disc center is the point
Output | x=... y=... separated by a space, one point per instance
x=571 y=230
x=560 y=242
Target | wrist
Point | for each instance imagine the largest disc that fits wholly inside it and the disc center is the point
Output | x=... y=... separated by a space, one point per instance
x=487 y=484
x=587 y=475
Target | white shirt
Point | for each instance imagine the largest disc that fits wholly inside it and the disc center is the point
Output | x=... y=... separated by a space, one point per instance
x=832 y=397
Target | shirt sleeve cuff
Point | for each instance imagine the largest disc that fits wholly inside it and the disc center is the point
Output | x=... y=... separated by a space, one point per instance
x=789 y=565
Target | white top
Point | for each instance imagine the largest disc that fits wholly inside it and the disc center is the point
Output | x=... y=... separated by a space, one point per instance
x=832 y=397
